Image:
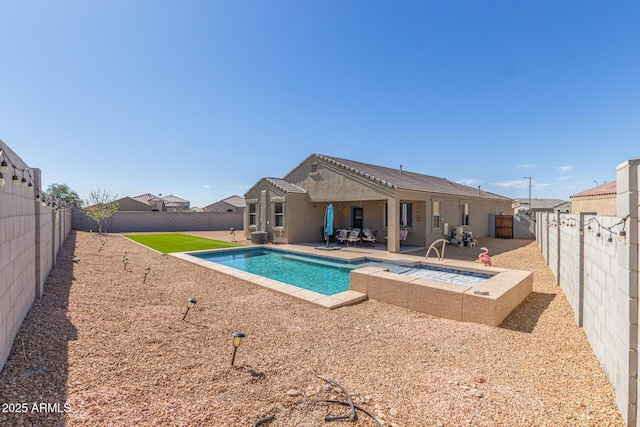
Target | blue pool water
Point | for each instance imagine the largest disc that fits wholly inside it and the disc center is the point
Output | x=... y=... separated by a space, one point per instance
x=459 y=277
x=326 y=276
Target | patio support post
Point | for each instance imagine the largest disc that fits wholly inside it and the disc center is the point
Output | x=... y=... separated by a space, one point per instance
x=393 y=225
x=262 y=207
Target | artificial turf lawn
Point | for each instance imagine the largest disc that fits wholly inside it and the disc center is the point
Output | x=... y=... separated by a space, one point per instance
x=177 y=242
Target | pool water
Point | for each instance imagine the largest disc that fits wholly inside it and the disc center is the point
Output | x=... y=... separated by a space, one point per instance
x=326 y=276
x=459 y=277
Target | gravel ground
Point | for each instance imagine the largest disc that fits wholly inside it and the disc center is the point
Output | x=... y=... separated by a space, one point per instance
x=102 y=348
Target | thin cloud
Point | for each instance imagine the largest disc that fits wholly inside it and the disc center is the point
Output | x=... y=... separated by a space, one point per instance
x=564 y=178
x=527 y=166
x=206 y=186
x=565 y=168
x=518 y=183
x=469 y=181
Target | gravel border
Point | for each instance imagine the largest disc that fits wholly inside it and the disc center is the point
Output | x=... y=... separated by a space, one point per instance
x=116 y=352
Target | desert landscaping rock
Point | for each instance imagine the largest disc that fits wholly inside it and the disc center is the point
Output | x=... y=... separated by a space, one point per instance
x=104 y=348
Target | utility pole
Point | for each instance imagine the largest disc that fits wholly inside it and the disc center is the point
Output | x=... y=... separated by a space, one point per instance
x=529 y=194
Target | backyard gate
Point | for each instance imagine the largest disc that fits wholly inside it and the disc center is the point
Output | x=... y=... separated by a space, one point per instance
x=504 y=226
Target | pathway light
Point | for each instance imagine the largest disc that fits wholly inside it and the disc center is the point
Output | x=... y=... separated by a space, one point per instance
x=190 y=304
x=237 y=339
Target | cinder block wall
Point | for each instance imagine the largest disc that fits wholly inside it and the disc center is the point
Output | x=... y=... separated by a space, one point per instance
x=600 y=280
x=137 y=221
x=29 y=241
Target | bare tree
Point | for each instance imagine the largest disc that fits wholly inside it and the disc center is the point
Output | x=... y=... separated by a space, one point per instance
x=100 y=206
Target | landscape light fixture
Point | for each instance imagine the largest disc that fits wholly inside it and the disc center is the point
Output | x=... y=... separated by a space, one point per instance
x=190 y=304
x=146 y=273
x=237 y=339
x=125 y=260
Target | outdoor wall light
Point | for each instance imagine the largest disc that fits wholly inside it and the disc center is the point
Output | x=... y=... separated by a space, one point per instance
x=237 y=339
x=4 y=167
x=146 y=273
x=622 y=236
x=190 y=304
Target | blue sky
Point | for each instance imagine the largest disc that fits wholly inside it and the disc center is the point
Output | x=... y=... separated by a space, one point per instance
x=201 y=99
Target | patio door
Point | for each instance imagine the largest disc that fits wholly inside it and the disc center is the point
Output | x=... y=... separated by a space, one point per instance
x=357 y=217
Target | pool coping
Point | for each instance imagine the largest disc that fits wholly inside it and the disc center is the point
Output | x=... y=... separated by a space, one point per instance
x=326 y=301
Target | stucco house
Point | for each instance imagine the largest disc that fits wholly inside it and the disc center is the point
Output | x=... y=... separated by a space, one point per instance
x=540 y=205
x=602 y=200
x=230 y=204
x=292 y=209
x=150 y=202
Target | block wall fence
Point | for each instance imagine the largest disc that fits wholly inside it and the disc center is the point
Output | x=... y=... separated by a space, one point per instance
x=596 y=265
x=130 y=221
x=30 y=238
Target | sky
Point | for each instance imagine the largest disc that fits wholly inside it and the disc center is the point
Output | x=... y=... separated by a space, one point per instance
x=202 y=99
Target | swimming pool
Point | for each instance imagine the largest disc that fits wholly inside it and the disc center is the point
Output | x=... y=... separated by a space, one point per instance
x=327 y=276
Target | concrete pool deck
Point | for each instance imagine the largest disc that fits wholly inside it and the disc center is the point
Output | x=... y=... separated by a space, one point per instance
x=487 y=303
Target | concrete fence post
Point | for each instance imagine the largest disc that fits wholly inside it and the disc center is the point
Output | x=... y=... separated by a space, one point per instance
x=628 y=201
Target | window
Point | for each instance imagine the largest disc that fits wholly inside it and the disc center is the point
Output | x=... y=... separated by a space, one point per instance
x=435 y=208
x=406 y=214
x=253 y=209
x=278 y=213
x=314 y=167
x=464 y=209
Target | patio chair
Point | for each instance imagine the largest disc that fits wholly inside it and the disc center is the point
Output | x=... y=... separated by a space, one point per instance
x=369 y=237
x=354 y=236
x=403 y=237
x=342 y=236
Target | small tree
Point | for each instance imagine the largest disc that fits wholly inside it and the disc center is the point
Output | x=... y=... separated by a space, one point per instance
x=66 y=194
x=101 y=205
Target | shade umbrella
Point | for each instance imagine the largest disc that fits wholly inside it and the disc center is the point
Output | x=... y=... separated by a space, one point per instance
x=328 y=220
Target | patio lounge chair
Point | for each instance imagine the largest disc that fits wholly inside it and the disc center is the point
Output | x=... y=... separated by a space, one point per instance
x=369 y=237
x=403 y=237
x=342 y=236
x=354 y=236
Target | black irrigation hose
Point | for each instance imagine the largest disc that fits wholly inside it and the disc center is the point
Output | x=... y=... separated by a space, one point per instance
x=353 y=416
x=340 y=402
x=264 y=420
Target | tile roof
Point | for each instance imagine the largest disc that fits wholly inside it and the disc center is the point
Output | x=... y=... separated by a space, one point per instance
x=172 y=198
x=148 y=198
x=285 y=186
x=395 y=178
x=607 y=188
x=236 y=201
x=542 y=203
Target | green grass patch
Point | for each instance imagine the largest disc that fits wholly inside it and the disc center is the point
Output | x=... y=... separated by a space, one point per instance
x=176 y=242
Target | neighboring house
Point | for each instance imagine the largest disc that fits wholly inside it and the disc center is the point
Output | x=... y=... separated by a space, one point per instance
x=230 y=204
x=539 y=205
x=601 y=200
x=151 y=202
x=179 y=203
x=366 y=196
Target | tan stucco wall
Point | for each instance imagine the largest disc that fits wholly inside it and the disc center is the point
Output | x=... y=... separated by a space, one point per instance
x=132 y=205
x=601 y=205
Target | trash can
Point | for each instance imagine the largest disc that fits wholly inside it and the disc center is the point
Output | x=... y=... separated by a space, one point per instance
x=259 y=237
